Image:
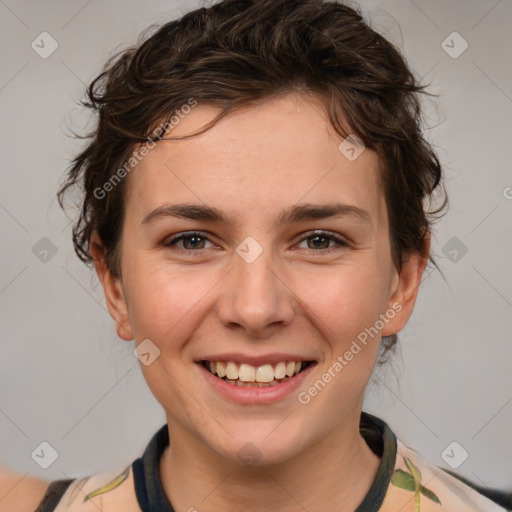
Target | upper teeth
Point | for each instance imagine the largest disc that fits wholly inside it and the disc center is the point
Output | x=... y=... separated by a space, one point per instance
x=249 y=373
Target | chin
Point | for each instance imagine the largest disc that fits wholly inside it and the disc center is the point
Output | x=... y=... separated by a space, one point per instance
x=260 y=448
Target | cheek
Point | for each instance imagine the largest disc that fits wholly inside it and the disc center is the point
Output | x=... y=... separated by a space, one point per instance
x=167 y=304
x=167 y=307
x=345 y=307
x=345 y=300
x=163 y=300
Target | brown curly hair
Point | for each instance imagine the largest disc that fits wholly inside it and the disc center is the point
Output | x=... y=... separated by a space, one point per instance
x=238 y=52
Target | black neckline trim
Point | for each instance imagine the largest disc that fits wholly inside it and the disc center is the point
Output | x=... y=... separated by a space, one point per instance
x=382 y=441
x=377 y=434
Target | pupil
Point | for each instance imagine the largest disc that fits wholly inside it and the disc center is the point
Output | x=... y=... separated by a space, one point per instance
x=317 y=237
x=193 y=237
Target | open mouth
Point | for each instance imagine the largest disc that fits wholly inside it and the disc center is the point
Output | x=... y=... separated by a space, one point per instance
x=255 y=376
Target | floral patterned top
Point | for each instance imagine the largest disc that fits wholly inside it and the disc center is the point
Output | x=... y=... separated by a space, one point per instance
x=404 y=482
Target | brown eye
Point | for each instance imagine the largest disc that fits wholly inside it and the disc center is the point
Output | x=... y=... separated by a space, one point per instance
x=321 y=240
x=191 y=241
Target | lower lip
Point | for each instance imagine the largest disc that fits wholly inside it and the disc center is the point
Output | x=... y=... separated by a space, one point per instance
x=256 y=395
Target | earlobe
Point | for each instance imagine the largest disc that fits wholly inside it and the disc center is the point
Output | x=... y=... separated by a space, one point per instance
x=405 y=289
x=112 y=288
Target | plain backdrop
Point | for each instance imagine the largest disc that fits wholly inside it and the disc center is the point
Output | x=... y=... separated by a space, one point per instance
x=68 y=380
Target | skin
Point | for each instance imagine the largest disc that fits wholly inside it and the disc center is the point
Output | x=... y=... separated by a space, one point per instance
x=294 y=298
x=20 y=492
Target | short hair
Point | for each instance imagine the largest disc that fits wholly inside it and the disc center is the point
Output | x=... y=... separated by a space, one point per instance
x=236 y=53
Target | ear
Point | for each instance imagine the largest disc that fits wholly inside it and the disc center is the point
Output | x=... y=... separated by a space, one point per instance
x=113 y=289
x=405 y=288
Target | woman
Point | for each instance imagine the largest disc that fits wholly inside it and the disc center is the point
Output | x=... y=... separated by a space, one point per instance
x=254 y=207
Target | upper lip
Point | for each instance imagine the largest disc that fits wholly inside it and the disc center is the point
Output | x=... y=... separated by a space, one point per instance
x=255 y=360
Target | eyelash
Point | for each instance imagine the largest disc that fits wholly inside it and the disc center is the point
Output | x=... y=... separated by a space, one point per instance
x=318 y=233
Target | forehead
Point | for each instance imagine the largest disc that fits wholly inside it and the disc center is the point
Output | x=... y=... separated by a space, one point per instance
x=256 y=160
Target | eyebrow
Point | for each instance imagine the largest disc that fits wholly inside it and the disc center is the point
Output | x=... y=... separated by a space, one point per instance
x=294 y=214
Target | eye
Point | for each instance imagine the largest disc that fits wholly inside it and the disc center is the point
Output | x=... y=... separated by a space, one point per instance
x=195 y=241
x=191 y=241
x=320 y=240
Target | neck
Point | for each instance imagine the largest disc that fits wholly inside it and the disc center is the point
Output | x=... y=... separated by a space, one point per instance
x=335 y=473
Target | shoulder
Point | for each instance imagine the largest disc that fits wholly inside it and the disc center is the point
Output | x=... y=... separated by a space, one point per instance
x=108 y=491
x=20 y=492
x=416 y=482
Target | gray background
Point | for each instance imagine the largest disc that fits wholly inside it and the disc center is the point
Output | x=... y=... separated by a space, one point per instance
x=65 y=376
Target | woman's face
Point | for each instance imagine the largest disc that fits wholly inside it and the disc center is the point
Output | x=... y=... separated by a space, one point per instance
x=258 y=283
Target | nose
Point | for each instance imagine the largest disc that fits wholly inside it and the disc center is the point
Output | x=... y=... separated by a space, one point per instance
x=256 y=297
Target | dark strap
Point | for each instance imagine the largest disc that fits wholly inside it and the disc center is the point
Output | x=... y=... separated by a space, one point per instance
x=146 y=475
x=382 y=442
x=377 y=434
x=151 y=496
x=53 y=495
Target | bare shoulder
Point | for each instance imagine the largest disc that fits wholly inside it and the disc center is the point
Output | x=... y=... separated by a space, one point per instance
x=20 y=493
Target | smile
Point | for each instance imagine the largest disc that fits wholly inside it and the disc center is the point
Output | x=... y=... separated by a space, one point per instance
x=247 y=375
